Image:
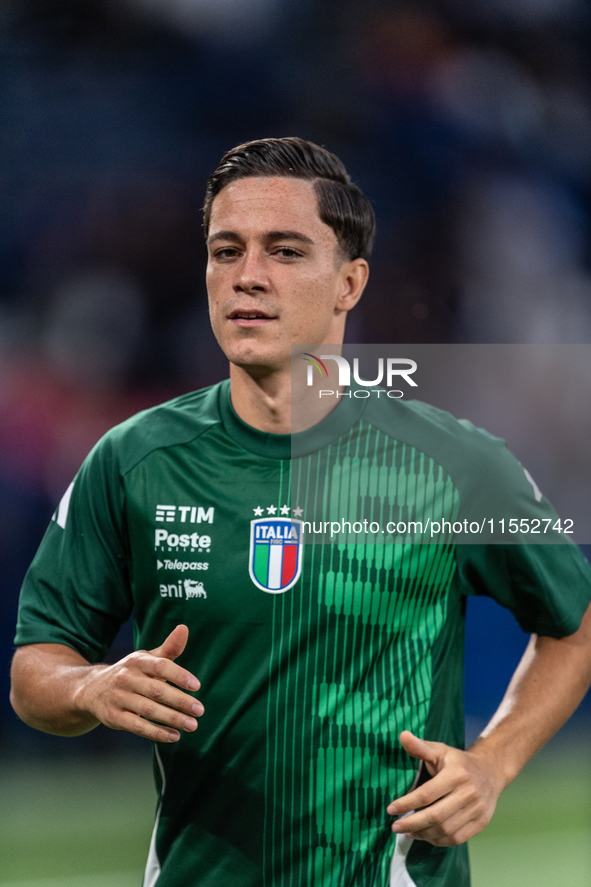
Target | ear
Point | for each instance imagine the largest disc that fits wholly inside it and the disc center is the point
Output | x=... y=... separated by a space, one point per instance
x=353 y=278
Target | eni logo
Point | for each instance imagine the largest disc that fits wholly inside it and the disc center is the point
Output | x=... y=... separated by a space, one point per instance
x=193 y=589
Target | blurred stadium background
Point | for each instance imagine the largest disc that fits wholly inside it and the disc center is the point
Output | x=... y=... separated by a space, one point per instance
x=469 y=126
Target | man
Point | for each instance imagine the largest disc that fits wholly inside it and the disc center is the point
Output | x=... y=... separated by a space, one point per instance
x=312 y=674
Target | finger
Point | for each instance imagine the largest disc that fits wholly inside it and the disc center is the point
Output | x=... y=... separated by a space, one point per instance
x=430 y=752
x=166 y=670
x=452 y=832
x=133 y=723
x=448 y=808
x=431 y=791
x=162 y=714
x=165 y=694
x=174 y=644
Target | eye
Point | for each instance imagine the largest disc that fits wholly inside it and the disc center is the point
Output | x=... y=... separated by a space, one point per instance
x=287 y=252
x=225 y=252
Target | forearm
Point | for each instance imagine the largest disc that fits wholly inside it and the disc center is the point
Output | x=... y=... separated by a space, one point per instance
x=548 y=685
x=56 y=690
x=48 y=681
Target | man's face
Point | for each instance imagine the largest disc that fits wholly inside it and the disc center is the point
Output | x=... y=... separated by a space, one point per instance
x=275 y=275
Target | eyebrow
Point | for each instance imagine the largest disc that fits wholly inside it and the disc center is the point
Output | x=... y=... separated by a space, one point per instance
x=268 y=236
x=288 y=235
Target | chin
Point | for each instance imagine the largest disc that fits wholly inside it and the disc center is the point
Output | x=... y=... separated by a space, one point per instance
x=261 y=367
x=256 y=355
x=258 y=363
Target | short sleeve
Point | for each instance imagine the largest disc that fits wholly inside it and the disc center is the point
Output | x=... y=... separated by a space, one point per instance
x=499 y=499
x=547 y=586
x=76 y=591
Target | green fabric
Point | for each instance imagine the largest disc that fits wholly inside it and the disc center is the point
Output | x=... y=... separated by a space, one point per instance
x=287 y=779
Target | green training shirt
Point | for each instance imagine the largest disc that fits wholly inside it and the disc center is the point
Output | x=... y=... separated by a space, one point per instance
x=312 y=657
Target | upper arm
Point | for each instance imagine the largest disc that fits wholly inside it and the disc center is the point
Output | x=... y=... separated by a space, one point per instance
x=77 y=591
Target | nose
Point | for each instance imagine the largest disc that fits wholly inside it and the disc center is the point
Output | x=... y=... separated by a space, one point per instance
x=251 y=274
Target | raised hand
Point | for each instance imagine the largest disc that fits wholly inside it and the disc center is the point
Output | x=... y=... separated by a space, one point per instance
x=137 y=693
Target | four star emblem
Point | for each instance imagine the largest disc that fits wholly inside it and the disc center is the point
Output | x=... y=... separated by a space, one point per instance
x=272 y=509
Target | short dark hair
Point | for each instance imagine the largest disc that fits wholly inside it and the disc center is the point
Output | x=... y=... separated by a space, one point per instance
x=341 y=204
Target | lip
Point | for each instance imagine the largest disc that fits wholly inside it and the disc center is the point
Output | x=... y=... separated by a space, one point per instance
x=238 y=318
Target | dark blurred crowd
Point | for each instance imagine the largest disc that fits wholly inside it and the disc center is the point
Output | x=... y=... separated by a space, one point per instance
x=468 y=124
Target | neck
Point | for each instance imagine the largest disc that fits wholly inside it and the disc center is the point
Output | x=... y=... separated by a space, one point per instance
x=270 y=404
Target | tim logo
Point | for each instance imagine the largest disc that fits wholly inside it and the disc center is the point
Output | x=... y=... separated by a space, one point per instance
x=399 y=367
x=275 y=558
x=193 y=589
x=186 y=514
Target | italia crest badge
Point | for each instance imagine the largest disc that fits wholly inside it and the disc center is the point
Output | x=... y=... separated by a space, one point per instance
x=275 y=557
